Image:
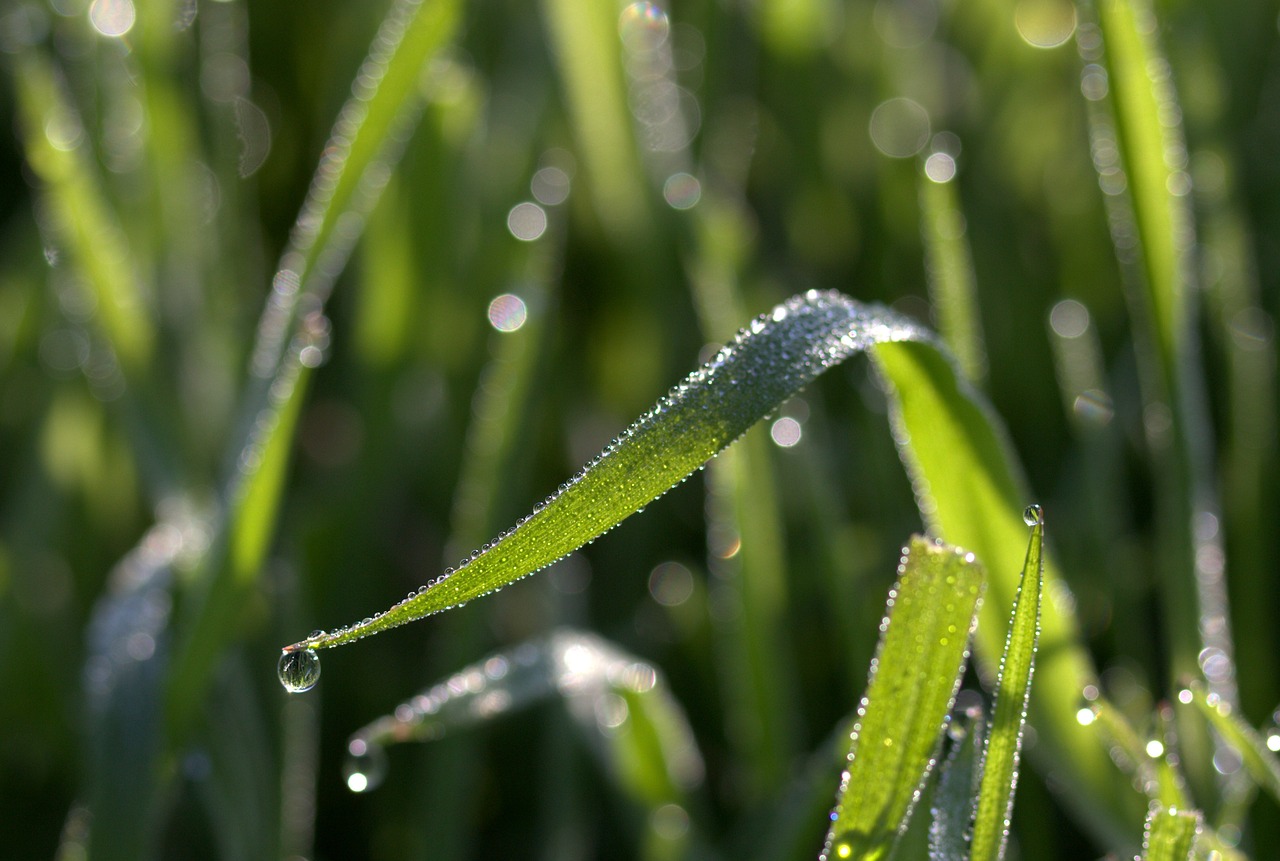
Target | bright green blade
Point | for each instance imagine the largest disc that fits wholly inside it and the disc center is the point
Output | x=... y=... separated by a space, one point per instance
x=914 y=679
x=963 y=472
x=1170 y=834
x=1259 y=758
x=778 y=354
x=1013 y=690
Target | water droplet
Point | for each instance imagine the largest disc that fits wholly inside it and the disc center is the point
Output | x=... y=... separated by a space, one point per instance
x=644 y=27
x=366 y=765
x=1033 y=515
x=299 y=670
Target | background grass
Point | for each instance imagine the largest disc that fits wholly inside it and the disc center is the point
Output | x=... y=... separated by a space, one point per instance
x=426 y=432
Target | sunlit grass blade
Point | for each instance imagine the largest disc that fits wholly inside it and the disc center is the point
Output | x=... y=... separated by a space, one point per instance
x=1013 y=691
x=1260 y=759
x=779 y=353
x=950 y=266
x=1147 y=762
x=969 y=494
x=1170 y=834
x=949 y=829
x=913 y=682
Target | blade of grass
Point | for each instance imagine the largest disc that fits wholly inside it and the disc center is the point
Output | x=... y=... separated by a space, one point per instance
x=999 y=765
x=293 y=333
x=913 y=682
x=1259 y=759
x=969 y=494
x=779 y=353
x=1170 y=834
x=957 y=787
x=950 y=266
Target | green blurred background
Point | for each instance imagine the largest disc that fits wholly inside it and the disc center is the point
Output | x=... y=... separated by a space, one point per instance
x=192 y=138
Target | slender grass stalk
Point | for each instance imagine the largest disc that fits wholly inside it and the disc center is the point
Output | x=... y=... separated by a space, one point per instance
x=1170 y=834
x=999 y=765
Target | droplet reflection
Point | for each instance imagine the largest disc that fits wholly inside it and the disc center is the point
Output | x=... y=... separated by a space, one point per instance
x=644 y=26
x=507 y=312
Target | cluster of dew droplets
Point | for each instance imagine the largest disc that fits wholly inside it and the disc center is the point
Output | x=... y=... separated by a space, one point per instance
x=592 y=676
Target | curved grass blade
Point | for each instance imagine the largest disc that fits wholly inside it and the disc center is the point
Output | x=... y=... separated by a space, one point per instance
x=967 y=489
x=923 y=648
x=957 y=787
x=1013 y=691
x=1170 y=834
x=1259 y=759
x=621 y=703
x=779 y=353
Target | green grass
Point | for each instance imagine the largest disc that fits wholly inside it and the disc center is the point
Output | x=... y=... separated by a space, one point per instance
x=252 y=385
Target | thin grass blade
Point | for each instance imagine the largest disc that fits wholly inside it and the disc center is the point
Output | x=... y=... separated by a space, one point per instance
x=1013 y=691
x=1260 y=759
x=914 y=678
x=969 y=493
x=950 y=266
x=953 y=803
x=1170 y=834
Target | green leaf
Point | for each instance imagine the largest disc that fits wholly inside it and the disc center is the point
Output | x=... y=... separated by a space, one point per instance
x=1170 y=834
x=914 y=679
x=1013 y=691
x=957 y=788
x=621 y=703
x=778 y=354
x=1259 y=759
x=962 y=470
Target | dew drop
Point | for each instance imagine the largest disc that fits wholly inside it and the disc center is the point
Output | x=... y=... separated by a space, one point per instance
x=366 y=765
x=1033 y=515
x=299 y=670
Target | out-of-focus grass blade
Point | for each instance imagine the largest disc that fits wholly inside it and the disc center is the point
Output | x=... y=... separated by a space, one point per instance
x=1170 y=834
x=293 y=332
x=779 y=353
x=588 y=51
x=1259 y=759
x=620 y=702
x=1152 y=773
x=914 y=678
x=57 y=150
x=1140 y=83
x=957 y=788
x=950 y=266
x=1013 y=691
x=963 y=474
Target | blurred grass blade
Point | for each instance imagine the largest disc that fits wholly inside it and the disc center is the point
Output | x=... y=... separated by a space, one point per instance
x=962 y=470
x=1013 y=691
x=57 y=150
x=293 y=331
x=1155 y=776
x=1170 y=834
x=621 y=703
x=957 y=787
x=1261 y=761
x=779 y=353
x=950 y=266
x=914 y=678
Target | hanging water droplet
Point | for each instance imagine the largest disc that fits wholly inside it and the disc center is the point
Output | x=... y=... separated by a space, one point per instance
x=1033 y=515
x=299 y=670
x=366 y=765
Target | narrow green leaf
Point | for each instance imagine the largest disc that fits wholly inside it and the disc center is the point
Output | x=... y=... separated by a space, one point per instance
x=779 y=353
x=1170 y=834
x=950 y=266
x=621 y=703
x=963 y=473
x=914 y=678
x=953 y=802
x=1259 y=759
x=1013 y=691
